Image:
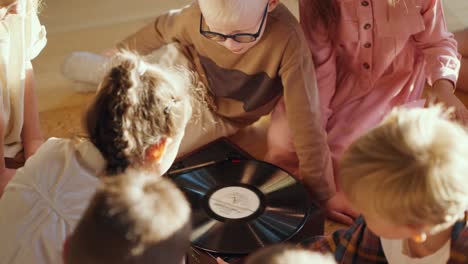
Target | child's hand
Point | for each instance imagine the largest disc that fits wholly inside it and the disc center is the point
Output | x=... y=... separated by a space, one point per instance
x=339 y=209
x=5 y=176
x=443 y=91
x=30 y=147
x=221 y=261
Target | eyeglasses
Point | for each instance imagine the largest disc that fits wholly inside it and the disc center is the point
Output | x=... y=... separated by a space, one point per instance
x=8 y=9
x=239 y=37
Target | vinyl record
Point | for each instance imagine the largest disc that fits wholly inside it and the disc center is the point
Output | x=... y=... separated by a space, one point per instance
x=239 y=206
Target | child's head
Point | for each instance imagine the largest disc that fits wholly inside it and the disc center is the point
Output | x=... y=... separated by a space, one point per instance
x=229 y=17
x=286 y=254
x=408 y=175
x=139 y=114
x=133 y=218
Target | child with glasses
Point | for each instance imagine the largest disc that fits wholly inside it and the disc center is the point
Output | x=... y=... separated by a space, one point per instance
x=22 y=37
x=252 y=57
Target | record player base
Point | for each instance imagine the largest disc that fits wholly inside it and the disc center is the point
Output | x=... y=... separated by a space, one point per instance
x=220 y=149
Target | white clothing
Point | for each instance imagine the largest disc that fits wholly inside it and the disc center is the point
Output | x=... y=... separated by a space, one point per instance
x=45 y=200
x=22 y=38
x=393 y=250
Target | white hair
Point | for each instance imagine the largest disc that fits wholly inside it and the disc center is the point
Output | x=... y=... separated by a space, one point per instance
x=285 y=254
x=229 y=11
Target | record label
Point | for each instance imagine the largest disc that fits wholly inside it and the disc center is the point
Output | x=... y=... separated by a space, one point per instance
x=234 y=202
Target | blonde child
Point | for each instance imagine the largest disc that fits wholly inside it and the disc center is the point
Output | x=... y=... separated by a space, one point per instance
x=462 y=39
x=138 y=217
x=286 y=254
x=137 y=120
x=371 y=56
x=22 y=38
x=408 y=178
x=252 y=58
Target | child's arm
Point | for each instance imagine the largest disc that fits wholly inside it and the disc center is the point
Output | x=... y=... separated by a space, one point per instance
x=462 y=39
x=324 y=57
x=5 y=173
x=304 y=119
x=167 y=28
x=31 y=133
x=303 y=113
x=443 y=60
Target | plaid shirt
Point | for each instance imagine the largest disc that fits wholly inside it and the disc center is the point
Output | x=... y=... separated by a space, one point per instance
x=359 y=245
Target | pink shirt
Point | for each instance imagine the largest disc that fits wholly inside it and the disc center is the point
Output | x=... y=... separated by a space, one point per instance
x=381 y=57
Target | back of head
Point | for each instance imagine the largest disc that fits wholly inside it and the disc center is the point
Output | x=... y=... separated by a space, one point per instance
x=136 y=106
x=288 y=254
x=410 y=170
x=133 y=218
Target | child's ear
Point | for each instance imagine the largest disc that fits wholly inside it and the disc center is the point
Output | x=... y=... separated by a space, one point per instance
x=419 y=233
x=272 y=4
x=156 y=151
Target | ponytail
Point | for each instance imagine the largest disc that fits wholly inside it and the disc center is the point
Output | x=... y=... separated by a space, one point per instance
x=137 y=105
x=103 y=120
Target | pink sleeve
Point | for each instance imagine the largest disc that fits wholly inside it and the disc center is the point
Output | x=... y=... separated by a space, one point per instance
x=324 y=57
x=438 y=45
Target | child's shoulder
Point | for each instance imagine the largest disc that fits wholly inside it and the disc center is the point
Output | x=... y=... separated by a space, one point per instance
x=55 y=172
x=284 y=27
x=283 y=20
x=53 y=146
x=50 y=159
x=43 y=171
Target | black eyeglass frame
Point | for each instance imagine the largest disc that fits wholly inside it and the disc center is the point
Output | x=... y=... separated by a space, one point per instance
x=224 y=37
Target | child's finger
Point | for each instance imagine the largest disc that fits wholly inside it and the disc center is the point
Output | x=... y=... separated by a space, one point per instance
x=351 y=212
x=340 y=218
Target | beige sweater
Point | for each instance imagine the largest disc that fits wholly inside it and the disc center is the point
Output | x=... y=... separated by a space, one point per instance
x=248 y=86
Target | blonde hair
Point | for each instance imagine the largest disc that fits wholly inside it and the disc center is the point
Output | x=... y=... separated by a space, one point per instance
x=410 y=170
x=137 y=105
x=229 y=11
x=286 y=254
x=141 y=219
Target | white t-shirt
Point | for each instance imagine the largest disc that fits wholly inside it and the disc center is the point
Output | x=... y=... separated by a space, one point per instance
x=393 y=250
x=45 y=200
x=22 y=37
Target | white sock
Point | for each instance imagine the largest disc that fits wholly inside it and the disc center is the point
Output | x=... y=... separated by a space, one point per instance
x=85 y=67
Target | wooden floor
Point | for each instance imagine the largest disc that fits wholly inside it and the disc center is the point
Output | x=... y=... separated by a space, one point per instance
x=84 y=26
